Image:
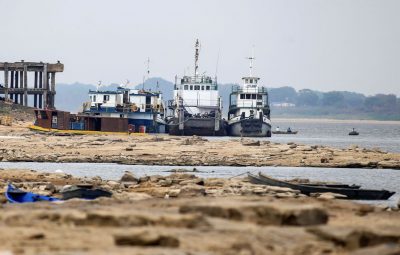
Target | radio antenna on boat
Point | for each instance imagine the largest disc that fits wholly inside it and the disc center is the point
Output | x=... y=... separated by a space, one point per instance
x=216 y=67
x=251 y=62
x=147 y=72
x=196 y=57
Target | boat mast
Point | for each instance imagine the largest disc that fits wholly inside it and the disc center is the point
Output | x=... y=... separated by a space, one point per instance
x=196 y=57
x=251 y=63
x=148 y=72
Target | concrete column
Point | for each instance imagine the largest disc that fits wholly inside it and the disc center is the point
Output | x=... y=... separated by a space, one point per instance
x=40 y=99
x=53 y=88
x=45 y=85
x=25 y=85
x=12 y=79
x=21 y=79
x=35 y=101
x=6 y=82
x=40 y=96
x=16 y=79
x=12 y=84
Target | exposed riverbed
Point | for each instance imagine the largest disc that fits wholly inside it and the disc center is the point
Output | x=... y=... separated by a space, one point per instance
x=367 y=178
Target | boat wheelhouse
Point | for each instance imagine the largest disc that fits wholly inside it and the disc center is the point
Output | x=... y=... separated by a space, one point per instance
x=249 y=111
x=196 y=105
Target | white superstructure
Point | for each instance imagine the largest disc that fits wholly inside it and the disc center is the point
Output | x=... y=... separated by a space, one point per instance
x=198 y=94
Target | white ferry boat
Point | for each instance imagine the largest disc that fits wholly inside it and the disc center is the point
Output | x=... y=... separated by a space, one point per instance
x=196 y=105
x=249 y=111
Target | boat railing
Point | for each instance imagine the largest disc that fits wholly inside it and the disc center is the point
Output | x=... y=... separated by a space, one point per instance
x=195 y=103
x=240 y=89
x=253 y=104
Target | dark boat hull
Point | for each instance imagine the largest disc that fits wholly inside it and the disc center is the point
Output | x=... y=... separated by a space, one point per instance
x=284 y=132
x=250 y=128
x=350 y=193
x=198 y=126
x=85 y=193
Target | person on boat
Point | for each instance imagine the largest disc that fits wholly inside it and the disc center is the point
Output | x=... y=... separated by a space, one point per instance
x=289 y=130
x=277 y=129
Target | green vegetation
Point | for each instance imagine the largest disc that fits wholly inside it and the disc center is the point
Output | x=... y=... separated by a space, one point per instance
x=336 y=104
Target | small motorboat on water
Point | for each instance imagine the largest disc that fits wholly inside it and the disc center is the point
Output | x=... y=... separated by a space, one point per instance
x=354 y=132
x=15 y=195
x=284 y=132
x=289 y=131
x=350 y=192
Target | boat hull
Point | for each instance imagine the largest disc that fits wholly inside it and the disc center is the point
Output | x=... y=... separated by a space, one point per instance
x=350 y=193
x=198 y=126
x=284 y=132
x=250 y=128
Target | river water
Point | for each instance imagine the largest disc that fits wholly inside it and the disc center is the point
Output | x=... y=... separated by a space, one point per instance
x=367 y=178
x=334 y=133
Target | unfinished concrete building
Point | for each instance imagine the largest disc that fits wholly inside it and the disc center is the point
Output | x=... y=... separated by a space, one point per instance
x=16 y=86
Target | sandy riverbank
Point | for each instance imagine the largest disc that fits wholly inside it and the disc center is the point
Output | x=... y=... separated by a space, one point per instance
x=170 y=150
x=200 y=216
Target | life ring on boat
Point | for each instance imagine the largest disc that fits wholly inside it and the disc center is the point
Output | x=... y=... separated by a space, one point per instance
x=134 y=108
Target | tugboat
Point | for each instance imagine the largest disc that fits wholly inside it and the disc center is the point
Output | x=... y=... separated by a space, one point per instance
x=196 y=105
x=249 y=112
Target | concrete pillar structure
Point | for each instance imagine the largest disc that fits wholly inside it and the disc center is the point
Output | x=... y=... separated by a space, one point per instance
x=21 y=79
x=25 y=85
x=17 y=87
x=16 y=79
x=53 y=88
x=40 y=97
x=6 y=82
x=35 y=101
x=12 y=84
x=45 y=86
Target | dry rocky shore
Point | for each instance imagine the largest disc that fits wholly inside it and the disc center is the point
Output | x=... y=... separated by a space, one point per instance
x=27 y=145
x=183 y=214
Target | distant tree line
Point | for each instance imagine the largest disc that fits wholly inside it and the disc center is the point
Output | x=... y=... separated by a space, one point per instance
x=338 y=101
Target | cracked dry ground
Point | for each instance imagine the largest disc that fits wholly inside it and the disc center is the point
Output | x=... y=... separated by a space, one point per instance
x=228 y=225
x=169 y=150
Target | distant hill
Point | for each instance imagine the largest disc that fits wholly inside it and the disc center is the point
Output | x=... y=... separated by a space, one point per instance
x=307 y=103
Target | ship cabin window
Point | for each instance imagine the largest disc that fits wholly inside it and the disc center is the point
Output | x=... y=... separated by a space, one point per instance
x=196 y=87
x=186 y=87
x=191 y=87
x=94 y=98
x=259 y=97
x=202 y=87
x=248 y=96
x=90 y=98
x=253 y=96
x=207 y=87
x=106 y=97
x=250 y=80
x=242 y=96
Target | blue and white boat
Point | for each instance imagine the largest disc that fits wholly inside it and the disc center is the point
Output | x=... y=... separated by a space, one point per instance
x=142 y=108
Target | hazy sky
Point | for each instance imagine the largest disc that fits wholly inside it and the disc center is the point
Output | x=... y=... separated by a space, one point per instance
x=318 y=44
